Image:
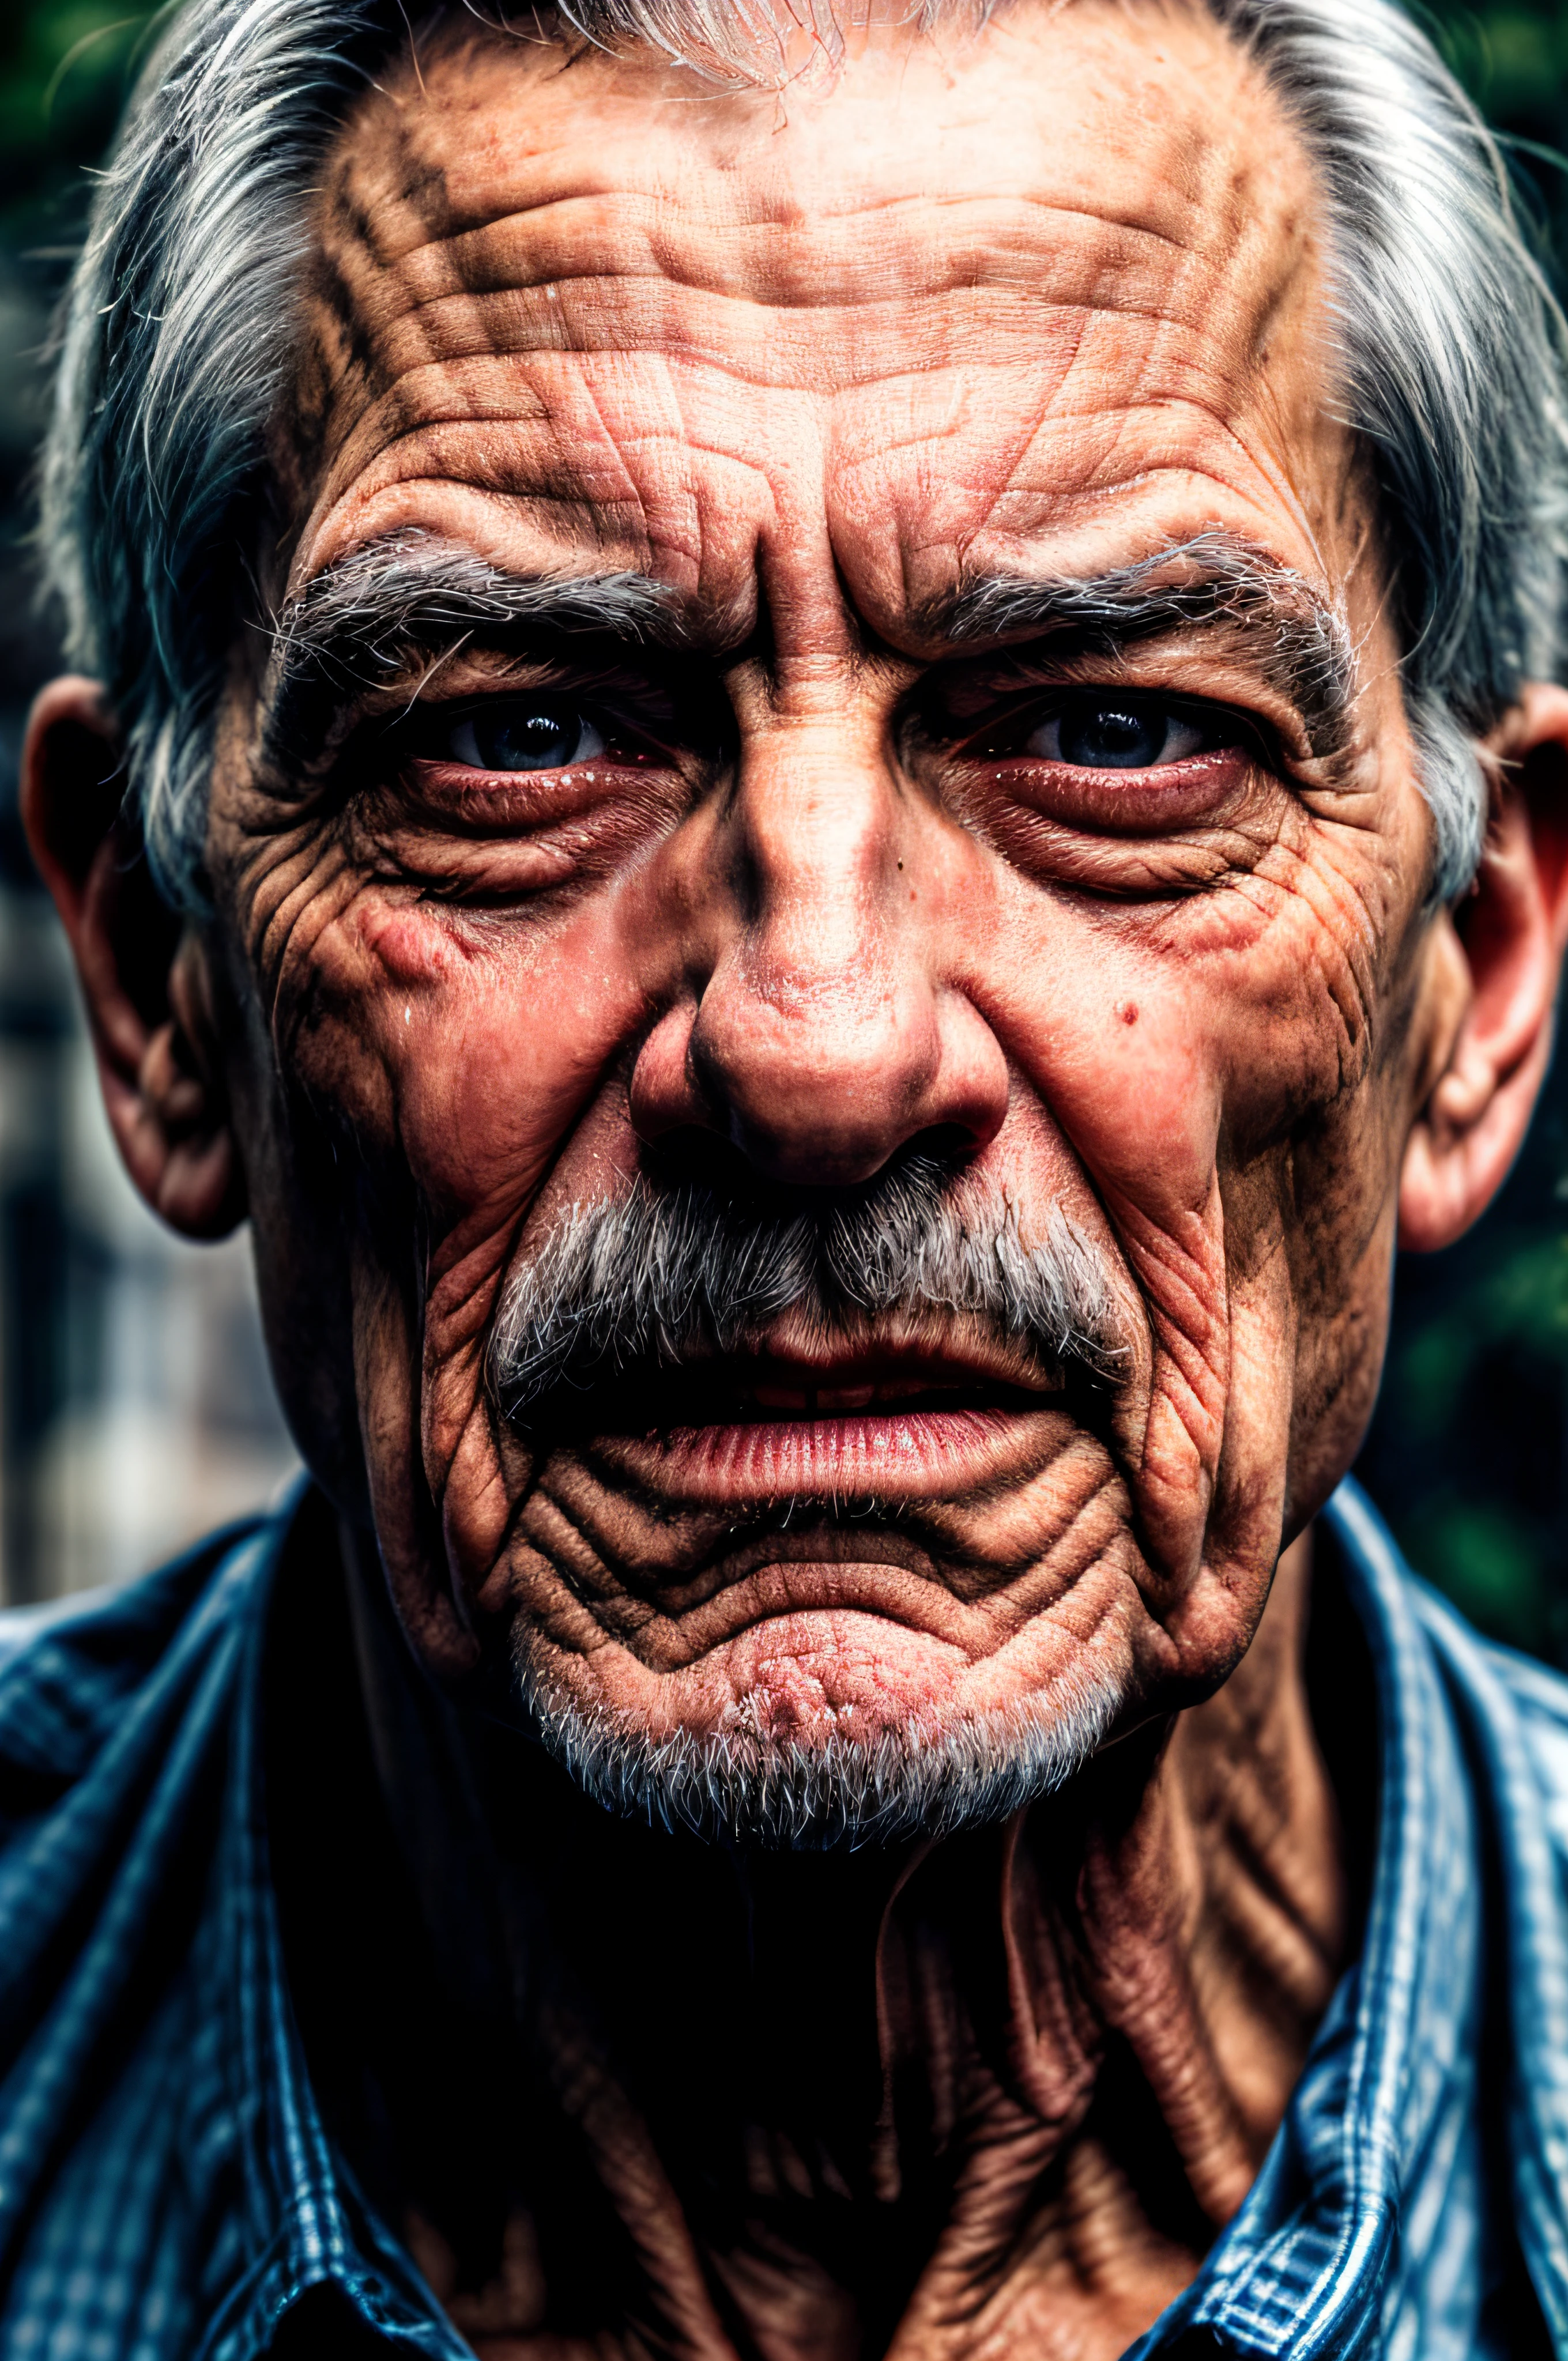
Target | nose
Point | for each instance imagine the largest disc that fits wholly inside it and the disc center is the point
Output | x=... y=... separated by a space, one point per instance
x=825 y=1032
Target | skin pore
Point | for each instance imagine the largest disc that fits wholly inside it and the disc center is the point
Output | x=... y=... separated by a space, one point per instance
x=827 y=872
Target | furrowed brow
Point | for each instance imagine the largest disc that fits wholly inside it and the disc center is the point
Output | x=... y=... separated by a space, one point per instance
x=1301 y=644
x=408 y=600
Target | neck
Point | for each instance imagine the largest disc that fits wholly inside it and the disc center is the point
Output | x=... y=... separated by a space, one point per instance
x=875 y=2101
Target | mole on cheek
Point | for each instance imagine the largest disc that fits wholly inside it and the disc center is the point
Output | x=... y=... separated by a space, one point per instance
x=1127 y=1012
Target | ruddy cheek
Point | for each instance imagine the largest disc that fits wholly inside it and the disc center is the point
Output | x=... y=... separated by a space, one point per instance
x=1116 y=1044
x=408 y=947
x=499 y=1048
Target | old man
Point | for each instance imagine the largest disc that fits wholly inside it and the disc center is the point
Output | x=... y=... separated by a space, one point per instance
x=818 y=753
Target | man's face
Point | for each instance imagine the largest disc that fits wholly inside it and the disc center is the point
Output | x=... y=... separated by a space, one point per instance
x=825 y=1115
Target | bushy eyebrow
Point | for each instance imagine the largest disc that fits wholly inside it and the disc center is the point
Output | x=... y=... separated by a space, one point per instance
x=411 y=597
x=1300 y=642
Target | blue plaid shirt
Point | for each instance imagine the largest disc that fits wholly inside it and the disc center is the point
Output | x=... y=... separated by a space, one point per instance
x=166 y=2187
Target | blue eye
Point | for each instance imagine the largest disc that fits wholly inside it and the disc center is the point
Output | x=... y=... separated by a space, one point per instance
x=533 y=734
x=1116 y=734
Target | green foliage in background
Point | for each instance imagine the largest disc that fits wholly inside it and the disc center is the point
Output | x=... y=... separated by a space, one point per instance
x=1469 y=1451
x=65 y=66
x=1473 y=1418
x=62 y=73
x=61 y=61
x=1513 y=60
x=1514 y=63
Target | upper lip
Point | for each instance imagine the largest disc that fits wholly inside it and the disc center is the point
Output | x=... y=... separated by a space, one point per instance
x=794 y=1375
x=897 y=1369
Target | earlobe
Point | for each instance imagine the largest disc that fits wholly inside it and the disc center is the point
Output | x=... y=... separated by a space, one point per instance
x=143 y=976
x=1494 y=985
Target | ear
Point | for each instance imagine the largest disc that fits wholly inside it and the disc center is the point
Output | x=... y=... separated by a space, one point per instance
x=1498 y=960
x=143 y=976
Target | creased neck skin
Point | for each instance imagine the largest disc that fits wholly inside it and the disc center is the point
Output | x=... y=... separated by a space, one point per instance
x=992 y=2095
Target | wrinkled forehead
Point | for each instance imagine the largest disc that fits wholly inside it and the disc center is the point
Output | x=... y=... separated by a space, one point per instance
x=1032 y=293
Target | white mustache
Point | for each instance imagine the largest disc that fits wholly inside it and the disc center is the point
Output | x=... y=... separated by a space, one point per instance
x=669 y=1275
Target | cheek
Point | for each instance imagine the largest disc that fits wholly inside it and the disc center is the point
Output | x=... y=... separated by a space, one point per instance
x=1114 y=1041
x=1149 y=1032
x=463 y=1048
x=1176 y=1046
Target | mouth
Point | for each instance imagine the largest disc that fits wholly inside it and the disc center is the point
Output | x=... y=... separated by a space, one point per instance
x=744 y=1430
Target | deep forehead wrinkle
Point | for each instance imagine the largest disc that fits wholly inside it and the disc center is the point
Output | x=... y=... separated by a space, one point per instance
x=425 y=219
x=856 y=246
x=560 y=234
x=897 y=359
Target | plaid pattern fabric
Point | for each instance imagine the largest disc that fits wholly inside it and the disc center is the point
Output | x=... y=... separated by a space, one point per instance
x=167 y=2188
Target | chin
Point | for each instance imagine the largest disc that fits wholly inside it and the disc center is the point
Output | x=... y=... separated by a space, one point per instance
x=875 y=1767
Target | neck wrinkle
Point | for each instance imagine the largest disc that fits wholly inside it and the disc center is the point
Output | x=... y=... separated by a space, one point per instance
x=849 y=2105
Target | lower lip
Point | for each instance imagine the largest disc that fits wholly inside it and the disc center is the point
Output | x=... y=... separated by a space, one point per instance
x=887 y=1455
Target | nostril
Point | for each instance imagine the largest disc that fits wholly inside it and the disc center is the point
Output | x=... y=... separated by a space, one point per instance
x=696 y=1158
x=943 y=1143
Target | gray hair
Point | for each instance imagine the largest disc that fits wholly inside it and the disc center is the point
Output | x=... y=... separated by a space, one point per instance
x=180 y=323
x=656 y=1276
x=741 y=1784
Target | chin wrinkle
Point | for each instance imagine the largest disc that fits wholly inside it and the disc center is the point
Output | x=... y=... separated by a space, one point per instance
x=671 y=1274
x=744 y=1785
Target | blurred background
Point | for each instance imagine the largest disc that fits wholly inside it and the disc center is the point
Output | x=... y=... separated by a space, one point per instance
x=135 y=1410
x=135 y=1406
